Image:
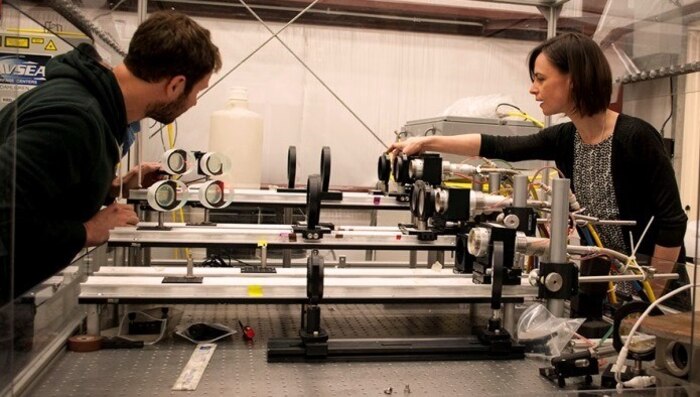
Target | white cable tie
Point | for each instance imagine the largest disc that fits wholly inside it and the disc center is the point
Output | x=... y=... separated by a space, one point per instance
x=641 y=238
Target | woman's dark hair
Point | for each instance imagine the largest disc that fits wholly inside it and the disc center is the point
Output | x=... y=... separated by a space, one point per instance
x=580 y=57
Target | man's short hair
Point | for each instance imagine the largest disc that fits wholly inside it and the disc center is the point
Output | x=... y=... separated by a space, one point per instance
x=169 y=44
x=584 y=61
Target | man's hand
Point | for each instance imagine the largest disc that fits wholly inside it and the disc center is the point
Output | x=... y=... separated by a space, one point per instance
x=98 y=227
x=150 y=174
x=408 y=147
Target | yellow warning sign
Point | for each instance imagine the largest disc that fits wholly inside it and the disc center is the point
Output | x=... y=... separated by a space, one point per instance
x=37 y=40
x=16 y=42
x=50 y=46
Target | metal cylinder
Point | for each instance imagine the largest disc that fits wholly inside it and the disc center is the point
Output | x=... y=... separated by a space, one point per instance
x=556 y=307
x=560 y=216
x=520 y=183
x=263 y=255
x=625 y=277
x=477 y=183
x=559 y=234
x=287 y=218
x=412 y=259
x=415 y=169
x=494 y=182
x=509 y=317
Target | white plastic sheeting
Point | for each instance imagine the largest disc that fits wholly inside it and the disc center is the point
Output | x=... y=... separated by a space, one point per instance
x=386 y=77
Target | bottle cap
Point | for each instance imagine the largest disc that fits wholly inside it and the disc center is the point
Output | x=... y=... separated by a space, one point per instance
x=238 y=93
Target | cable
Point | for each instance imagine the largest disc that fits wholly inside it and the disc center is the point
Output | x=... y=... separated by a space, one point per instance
x=72 y=13
x=160 y=130
x=586 y=235
x=108 y=12
x=631 y=262
x=175 y=138
x=215 y=261
x=661 y=131
x=519 y=113
x=605 y=336
x=612 y=295
x=239 y=261
x=157 y=131
x=595 y=235
x=507 y=104
x=625 y=349
x=527 y=117
x=195 y=180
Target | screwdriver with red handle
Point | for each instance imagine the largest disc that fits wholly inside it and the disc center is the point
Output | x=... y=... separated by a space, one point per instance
x=247 y=331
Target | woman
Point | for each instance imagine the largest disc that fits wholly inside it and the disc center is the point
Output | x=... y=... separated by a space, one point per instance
x=617 y=163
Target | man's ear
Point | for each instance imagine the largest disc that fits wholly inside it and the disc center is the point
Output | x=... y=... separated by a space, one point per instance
x=175 y=87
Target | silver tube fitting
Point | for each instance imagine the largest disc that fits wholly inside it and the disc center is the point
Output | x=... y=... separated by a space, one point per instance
x=520 y=183
x=494 y=182
x=560 y=215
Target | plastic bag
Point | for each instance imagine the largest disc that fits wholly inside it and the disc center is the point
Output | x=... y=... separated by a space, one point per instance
x=543 y=333
x=477 y=106
x=149 y=325
x=204 y=332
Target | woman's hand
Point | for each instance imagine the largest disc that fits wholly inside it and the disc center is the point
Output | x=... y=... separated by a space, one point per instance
x=408 y=147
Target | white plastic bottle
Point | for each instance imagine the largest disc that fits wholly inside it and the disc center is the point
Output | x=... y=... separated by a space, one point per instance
x=237 y=132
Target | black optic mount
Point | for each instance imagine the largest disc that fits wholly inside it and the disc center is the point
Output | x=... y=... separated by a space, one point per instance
x=494 y=336
x=325 y=174
x=384 y=175
x=312 y=230
x=527 y=219
x=422 y=200
x=291 y=166
x=464 y=261
x=426 y=167
x=482 y=265
x=557 y=280
x=313 y=344
x=452 y=203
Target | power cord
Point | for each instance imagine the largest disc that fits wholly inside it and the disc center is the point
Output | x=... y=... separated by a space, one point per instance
x=214 y=260
x=625 y=349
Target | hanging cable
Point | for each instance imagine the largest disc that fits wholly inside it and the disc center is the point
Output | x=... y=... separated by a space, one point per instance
x=663 y=126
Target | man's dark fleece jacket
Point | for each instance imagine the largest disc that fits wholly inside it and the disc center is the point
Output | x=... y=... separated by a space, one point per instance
x=59 y=145
x=642 y=174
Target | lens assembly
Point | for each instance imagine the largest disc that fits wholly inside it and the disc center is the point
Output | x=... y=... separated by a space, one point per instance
x=212 y=195
x=176 y=161
x=213 y=164
x=166 y=196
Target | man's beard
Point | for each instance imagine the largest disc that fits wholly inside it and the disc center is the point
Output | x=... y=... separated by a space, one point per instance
x=166 y=113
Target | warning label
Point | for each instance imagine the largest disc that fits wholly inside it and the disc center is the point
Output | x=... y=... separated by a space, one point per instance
x=50 y=46
x=16 y=42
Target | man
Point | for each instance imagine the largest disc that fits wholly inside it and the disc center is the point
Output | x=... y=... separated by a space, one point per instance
x=61 y=141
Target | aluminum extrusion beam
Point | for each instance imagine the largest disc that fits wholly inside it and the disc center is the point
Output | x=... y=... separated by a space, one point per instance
x=276 y=236
x=289 y=285
x=164 y=271
x=273 y=198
